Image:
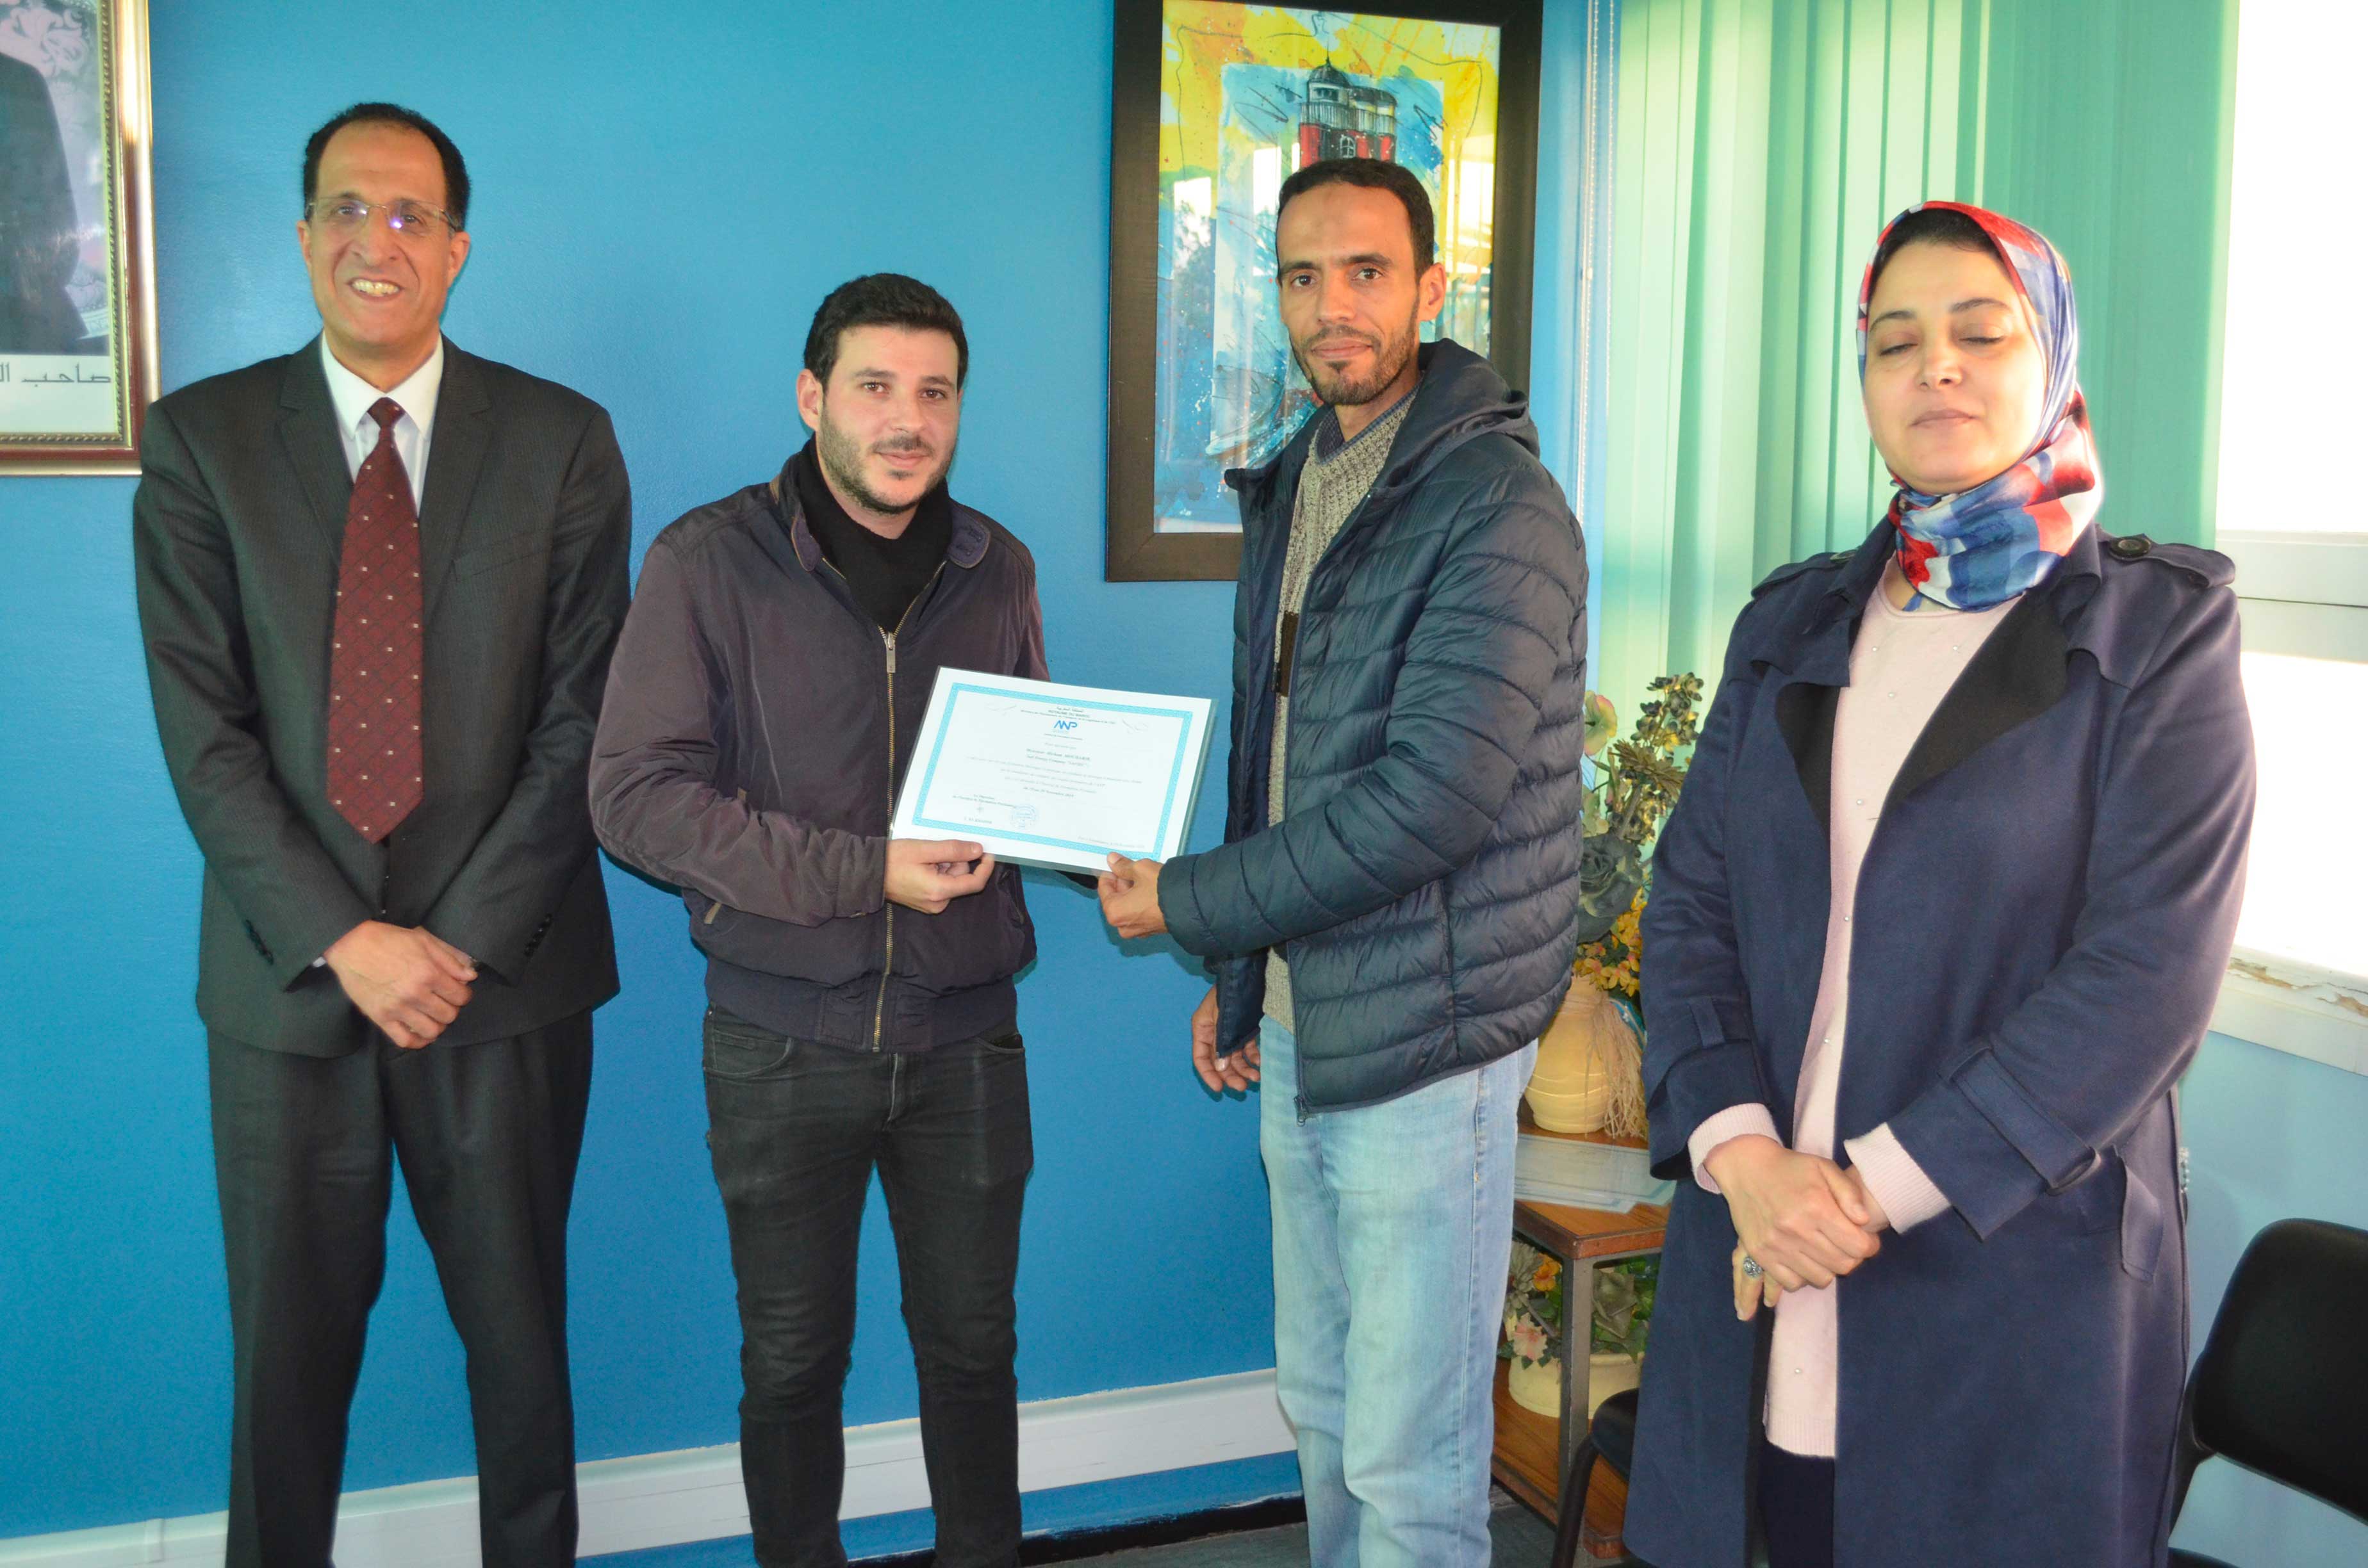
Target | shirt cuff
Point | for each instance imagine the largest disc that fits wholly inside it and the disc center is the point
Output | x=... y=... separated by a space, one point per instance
x=1734 y=1121
x=1898 y=1182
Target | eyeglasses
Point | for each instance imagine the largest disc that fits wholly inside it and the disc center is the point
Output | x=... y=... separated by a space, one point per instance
x=347 y=216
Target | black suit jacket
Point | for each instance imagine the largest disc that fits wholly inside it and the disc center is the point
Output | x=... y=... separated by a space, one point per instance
x=525 y=531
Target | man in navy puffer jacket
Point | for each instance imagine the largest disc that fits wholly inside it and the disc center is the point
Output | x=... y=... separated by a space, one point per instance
x=1390 y=921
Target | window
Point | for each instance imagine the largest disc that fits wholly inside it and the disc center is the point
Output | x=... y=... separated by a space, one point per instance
x=2300 y=979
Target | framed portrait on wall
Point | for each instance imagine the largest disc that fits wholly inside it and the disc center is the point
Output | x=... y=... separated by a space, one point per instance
x=77 y=260
x=1215 y=104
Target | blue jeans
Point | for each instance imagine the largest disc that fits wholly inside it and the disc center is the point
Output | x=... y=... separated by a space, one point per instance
x=1393 y=1228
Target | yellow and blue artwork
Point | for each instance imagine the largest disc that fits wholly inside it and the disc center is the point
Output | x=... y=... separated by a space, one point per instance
x=1249 y=95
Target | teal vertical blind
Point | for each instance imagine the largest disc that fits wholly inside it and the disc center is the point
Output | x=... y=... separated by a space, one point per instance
x=1759 y=145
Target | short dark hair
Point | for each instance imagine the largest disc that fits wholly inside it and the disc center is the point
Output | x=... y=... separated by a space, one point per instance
x=1942 y=226
x=456 y=173
x=1373 y=174
x=882 y=299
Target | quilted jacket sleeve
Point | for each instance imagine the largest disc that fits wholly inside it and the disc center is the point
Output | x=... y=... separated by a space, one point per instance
x=1495 y=623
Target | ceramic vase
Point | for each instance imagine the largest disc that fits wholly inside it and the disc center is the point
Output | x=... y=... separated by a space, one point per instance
x=1586 y=1058
x=1535 y=1385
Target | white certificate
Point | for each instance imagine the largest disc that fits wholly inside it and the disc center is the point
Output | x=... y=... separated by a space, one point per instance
x=1052 y=775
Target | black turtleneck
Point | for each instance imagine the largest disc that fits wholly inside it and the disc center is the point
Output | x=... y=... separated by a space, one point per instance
x=885 y=574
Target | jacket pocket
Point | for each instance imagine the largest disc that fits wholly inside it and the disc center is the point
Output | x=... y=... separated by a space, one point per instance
x=2144 y=1221
x=2092 y=1204
x=973 y=941
x=835 y=953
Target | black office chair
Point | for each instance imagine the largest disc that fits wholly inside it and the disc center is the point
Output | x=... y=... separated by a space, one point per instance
x=2280 y=1389
x=1611 y=1437
x=2282 y=1383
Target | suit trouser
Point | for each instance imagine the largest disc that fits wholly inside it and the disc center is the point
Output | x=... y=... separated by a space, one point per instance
x=488 y=1135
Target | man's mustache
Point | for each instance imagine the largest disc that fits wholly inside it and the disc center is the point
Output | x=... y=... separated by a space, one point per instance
x=1341 y=335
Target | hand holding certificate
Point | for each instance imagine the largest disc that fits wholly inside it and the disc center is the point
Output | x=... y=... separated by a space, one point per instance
x=1057 y=776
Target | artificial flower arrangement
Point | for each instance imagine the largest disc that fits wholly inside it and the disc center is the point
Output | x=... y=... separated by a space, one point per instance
x=1613 y=962
x=1532 y=1307
x=1589 y=1074
x=1636 y=782
x=1623 y=1313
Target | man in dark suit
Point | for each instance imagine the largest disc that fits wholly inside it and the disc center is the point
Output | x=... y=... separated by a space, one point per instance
x=380 y=579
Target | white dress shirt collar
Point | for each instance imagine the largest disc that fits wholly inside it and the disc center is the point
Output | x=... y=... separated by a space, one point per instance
x=415 y=394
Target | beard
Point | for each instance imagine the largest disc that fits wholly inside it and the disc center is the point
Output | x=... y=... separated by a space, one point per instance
x=1337 y=388
x=842 y=457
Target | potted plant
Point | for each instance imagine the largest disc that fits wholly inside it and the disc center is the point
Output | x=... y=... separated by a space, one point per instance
x=1588 y=1075
x=1533 y=1346
x=1623 y=1311
x=1636 y=782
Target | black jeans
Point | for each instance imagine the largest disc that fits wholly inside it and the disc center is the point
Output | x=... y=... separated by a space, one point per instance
x=795 y=1129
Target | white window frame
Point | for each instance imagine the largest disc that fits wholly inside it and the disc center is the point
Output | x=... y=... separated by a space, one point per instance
x=2306 y=594
x=2302 y=594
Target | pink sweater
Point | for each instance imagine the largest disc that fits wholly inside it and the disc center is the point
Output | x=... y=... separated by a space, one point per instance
x=1901 y=666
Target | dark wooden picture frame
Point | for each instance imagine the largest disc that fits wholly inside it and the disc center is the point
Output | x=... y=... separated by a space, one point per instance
x=1137 y=548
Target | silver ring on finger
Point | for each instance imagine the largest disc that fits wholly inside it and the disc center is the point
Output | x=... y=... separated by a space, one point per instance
x=1751 y=1269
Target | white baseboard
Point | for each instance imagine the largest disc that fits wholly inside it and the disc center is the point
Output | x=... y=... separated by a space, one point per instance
x=694 y=1495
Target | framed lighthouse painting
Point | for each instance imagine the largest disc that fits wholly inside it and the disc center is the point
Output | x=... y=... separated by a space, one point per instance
x=1215 y=104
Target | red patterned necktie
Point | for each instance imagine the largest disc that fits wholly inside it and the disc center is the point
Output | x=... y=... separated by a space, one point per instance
x=374 y=657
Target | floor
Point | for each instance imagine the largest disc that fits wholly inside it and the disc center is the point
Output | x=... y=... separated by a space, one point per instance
x=1522 y=1540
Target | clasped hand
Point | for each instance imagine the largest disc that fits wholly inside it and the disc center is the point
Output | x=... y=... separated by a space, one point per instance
x=1804 y=1219
x=406 y=978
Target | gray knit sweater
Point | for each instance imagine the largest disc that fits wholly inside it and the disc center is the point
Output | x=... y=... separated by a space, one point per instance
x=1331 y=486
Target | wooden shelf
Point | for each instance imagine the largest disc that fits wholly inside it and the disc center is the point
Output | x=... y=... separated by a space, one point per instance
x=1575 y=1233
x=1529 y=1453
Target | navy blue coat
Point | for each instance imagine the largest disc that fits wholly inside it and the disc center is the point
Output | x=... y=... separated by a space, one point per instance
x=2042 y=916
x=1425 y=884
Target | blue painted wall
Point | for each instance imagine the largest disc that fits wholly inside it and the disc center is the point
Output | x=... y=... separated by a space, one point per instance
x=662 y=197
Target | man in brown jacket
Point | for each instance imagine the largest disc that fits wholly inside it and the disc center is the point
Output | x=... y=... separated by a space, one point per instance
x=762 y=712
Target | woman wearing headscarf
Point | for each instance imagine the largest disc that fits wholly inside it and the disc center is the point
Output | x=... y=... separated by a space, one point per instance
x=1935 y=927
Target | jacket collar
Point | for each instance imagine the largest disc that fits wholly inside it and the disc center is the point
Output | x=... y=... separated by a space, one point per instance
x=2017 y=674
x=965 y=548
x=463 y=432
x=1459 y=397
x=309 y=437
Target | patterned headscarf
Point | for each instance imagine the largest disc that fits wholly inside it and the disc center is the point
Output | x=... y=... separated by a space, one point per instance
x=1983 y=546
